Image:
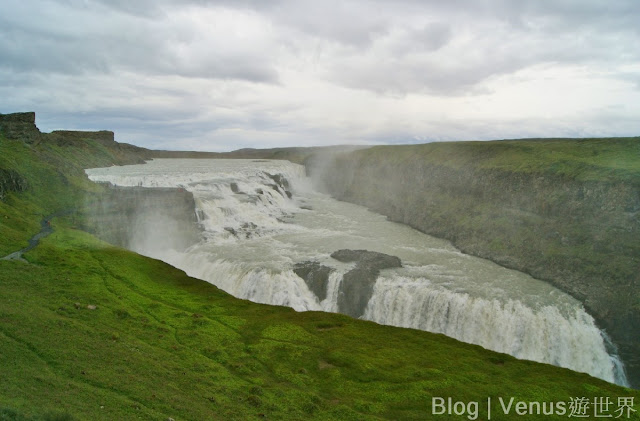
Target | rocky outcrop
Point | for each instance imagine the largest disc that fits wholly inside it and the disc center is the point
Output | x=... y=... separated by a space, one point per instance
x=582 y=235
x=20 y=126
x=316 y=276
x=73 y=137
x=281 y=185
x=123 y=153
x=11 y=181
x=357 y=284
x=140 y=218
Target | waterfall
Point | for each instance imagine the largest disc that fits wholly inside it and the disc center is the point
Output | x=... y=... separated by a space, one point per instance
x=543 y=334
x=261 y=218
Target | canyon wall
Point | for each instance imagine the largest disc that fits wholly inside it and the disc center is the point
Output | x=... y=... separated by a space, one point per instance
x=563 y=219
x=139 y=218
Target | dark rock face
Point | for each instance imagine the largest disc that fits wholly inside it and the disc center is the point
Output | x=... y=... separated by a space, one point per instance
x=123 y=152
x=357 y=284
x=281 y=185
x=367 y=258
x=280 y=180
x=70 y=137
x=11 y=180
x=126 y=216
x=316 y=276
x=20 y=126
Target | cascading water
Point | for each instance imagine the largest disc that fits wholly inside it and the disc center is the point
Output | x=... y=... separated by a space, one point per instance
x=261 y=219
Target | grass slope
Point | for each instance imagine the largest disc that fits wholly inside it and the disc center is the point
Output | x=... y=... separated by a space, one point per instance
x=601 y=159
x=55 y=179
x=160 y=344
x=92 y=331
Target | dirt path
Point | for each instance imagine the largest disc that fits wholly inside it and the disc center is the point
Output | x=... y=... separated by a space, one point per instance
x=45 y=229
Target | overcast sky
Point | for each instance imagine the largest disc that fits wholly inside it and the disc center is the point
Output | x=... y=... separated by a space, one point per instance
x=223 y=75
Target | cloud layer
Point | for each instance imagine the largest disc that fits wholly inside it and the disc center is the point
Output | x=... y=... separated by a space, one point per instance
x=222 y=75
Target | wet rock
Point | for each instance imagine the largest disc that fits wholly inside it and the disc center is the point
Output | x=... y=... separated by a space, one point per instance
x=369 y=258
x=316 y=276
x=200 y=215
x=249 y=226
x=275 y=187
x=282 y=185
x=357 y=284
x=280 y=180
x=245 y=198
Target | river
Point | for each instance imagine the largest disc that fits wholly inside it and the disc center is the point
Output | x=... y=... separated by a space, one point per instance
x=262 y=218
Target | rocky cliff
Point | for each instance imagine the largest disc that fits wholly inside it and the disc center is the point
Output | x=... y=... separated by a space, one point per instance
x=571 y=217
x=356 y=287
x=11 y=180
x=139 y=218
x=21 y=127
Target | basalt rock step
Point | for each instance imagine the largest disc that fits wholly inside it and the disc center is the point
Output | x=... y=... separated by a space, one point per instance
x=20 y=126
x=367 y=258
x=357 y=284
x=316 y=276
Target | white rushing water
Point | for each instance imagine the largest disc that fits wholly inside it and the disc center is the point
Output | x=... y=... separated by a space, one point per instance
x=254 y=234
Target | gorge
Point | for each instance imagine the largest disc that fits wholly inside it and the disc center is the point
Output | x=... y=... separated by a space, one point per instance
x=94 y=330
x=268 y=236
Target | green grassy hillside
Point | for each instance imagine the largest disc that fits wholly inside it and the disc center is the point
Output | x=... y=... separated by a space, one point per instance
x=92 y=331
x=602 y=159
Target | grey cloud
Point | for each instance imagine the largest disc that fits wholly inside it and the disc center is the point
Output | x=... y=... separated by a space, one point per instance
x=339 y=21
x=165 y=71
x=93 y=41
x=156 y=8
x=480 y=43
x=396 y=78
x=434 y=36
